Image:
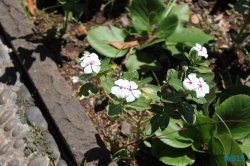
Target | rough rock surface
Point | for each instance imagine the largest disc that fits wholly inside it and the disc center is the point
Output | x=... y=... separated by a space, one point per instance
x=69 y=118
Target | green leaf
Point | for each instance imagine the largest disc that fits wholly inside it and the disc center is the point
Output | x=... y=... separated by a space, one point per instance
x=115 y=110
x=232 y=91
x=163 y=121
x=87 y=88
x=216 y=151
x=151 y=91
x=167 y=26
x=183 y=13
x=176 y=84
x=173 y=137
x=197 y=100
x=140 y=12
x=142 y=60
x=172 y=156
x=208 y=77
x=245 y=146
x=144 y=81
x=171 y=97
x=187 y=111
x=105 y=65
x=86 y=77
x=152 y=126
x=234 y=108
x=202 y=69
x=100 y=37
x=231 y=148
x=181 y=41
x=171 y=74
x=156 y=109
x=107 y=84
x=130 y=75
x=139 y=104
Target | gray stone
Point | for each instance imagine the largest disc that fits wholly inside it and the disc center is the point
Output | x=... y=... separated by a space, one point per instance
x=61 y=162
x=18 y=144
x=13 y=162
x=53 y=144
x=23 y=93
x=4 y=96
x=2 y=161
x=10 y=125
x=113 y=164
x=18 y=130
x=35 y=118
x=40 y=160
x=125 y=128
x=4 y=148
x=5 y=116
x=4 y=53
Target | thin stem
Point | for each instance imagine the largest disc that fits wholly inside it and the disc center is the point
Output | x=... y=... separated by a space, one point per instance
x=158 y=83
x=138 y=132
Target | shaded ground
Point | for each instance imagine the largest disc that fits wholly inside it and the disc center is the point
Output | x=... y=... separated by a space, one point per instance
x=214 y=17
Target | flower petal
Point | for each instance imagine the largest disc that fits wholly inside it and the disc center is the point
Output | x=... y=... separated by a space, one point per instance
x=136 y=93
x=130 y=98
x=88 y=69
x=96 y=68
x=133 y=85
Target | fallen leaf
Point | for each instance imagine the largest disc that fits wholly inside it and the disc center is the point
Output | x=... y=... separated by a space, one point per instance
x=124 y=45
x=32 y=7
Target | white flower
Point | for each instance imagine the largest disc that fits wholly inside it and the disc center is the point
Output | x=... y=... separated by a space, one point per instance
x=120 y=91
x=90 y=63
x=126 y=89
x=133 y=93
x=202 y=89
x=74 y=79
x=202 y=51
x=191 y=83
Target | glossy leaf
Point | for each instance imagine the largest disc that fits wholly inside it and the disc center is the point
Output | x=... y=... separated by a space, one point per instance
x=216 y=151
x=151 y=92
x=86 y=77
x=87 y=88
x=234 y=108
x=114 y=110
x=176 y=84
x=139 y=104
x=171 y=97
x=107 y=84
x=187 y=111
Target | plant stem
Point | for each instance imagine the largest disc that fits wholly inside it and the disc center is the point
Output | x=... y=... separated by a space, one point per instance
x=138 y=132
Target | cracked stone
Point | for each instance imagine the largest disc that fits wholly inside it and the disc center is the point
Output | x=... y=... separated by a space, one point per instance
x=35 y=118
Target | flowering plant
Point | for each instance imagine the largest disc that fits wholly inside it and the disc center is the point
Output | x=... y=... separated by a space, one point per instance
x=173 y=119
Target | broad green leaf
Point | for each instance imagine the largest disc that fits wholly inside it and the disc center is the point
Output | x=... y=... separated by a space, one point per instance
x=234 y=108
x=201 y=132
x=209 y=98
x=151 y=91
x=208 y=77
x=156 y=109
x=167 y=26
x=163 y=121
x=121 y=155
x=183 y=13
x=139 y=104
x=231 y=149
x=171 y=97
x=182 y=40
x=187 y=111
x=105 y=65
x=202 y=69
x=245 y=146
x=87 y=88
x=107 y=84
x=114 y=110
x=173 y=137
x=203 y=63
x=86 y=77
x=100 y=37
x=232 y=91
x=144 y=81
x=216 y=151
x=130 y=75
x=197 y=100
x=141 y=10
x=152 y=126
x=171 y=73
x=142 y=60
x=176 y=84
x=172 y=156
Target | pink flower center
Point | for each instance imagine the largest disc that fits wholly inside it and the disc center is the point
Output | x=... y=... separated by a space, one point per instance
x=200 y=85
x=201 y=50
x=88 y=56
x=130 y=89
x=91 y=63
x=190 y=82
x=120 y=87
